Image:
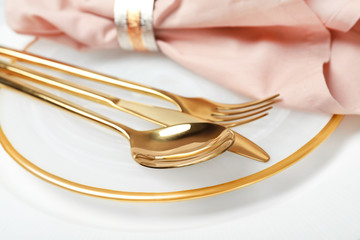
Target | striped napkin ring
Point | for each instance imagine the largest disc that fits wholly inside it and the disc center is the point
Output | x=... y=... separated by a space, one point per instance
x=133 y=20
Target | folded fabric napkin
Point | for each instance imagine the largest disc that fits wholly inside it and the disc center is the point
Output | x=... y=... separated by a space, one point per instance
x=308 y=51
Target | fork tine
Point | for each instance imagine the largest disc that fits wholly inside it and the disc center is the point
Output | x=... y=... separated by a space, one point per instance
x=248 y=104
x=238 y=123
x=238 y=117
x=222 y=113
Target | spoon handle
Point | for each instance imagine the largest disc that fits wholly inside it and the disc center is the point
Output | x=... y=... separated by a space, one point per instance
x=15 y=83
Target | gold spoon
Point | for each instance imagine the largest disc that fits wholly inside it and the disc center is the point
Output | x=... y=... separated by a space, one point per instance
x=174 y=146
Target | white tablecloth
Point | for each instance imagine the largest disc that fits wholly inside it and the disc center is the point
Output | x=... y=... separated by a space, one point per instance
x=317 y=198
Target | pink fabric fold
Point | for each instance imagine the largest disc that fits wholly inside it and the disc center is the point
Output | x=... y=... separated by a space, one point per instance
x=308 y=51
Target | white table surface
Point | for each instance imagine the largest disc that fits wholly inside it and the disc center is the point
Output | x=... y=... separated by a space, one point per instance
x=323 y=199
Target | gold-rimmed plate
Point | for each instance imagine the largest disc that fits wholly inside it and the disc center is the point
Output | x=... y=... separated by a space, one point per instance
x=97 y=162
x=84 y=153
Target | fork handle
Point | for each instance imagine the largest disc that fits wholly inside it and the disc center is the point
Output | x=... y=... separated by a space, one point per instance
x=147 y=112
x=91 y=75
x=58 y=83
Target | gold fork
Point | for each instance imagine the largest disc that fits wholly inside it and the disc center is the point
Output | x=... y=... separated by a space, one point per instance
x=229 y=115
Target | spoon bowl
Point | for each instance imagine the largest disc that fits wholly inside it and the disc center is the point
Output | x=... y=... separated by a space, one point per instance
x=180 y=145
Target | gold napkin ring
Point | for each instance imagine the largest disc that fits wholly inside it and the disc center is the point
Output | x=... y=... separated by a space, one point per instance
x=133 y=20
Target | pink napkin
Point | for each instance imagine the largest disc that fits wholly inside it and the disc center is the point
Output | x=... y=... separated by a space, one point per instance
x=308 y=51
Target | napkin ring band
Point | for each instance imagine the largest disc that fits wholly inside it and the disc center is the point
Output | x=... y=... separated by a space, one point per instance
x=133 y=20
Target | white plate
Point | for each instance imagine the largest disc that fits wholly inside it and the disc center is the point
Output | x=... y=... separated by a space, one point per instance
x=80 y=151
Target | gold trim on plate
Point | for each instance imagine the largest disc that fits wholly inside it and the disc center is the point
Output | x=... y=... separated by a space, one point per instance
x=177 y=195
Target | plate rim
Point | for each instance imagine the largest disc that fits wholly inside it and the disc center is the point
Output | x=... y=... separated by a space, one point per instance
x=196 y=193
